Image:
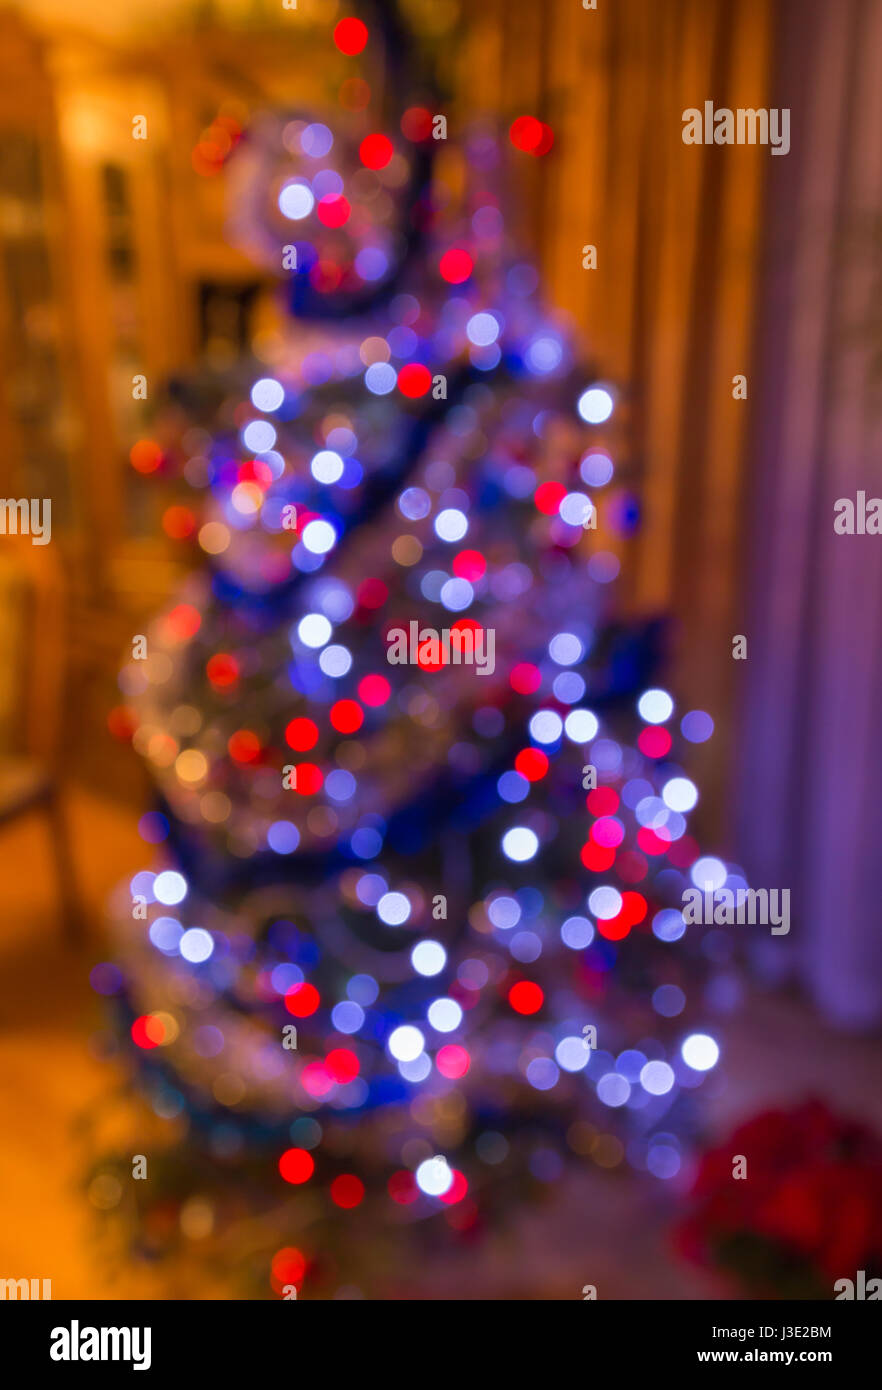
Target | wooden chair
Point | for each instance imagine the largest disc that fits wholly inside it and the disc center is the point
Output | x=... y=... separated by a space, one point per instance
x=32 y=632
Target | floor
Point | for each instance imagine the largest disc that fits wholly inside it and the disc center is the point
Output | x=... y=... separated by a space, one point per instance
x=50 y=1077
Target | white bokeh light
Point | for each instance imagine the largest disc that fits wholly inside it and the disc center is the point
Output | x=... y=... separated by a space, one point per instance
x=393 y=909
x=406 y=1043
x=451 y=524
x=444 y=1015
x=434 y=1176
x=326 y=466
x=680 y=794
x=580 y=725
x=314 y=630
x=267 y=394
x=700 y=1052
x=319 y=537
x=428 y=957
x=655 y=706
x=595 y=405
x=169 y=887
x=196 y=945
x=519 y=843
x=296 y=201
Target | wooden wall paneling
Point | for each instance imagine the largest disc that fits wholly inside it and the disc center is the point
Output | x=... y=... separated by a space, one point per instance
x=675 y=182
x=711 y=548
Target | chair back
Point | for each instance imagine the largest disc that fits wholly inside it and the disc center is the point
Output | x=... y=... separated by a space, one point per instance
x=32 y=632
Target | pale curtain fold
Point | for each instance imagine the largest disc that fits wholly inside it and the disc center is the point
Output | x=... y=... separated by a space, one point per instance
x=810 y=796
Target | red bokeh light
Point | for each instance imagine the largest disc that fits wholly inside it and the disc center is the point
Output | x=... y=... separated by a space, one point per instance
x=414 y=380
x=308 y=778
x=525 y=133
x=243 y=746
x=222 y=669
x=122 y=722
x=597 y=858
x=416 y=123
x=182 y=622
x=333 y=210
x=456 y=266
x=342 y=1064
x=603 y=801
x=375 y=151
x=372 y=593
x=655 y=742
x=470 y=565
x=354 y=94
x=301 y=735
x=288 y=1266
x=452 y=1061
x=145 y=456
x=651 y=842
x=548 y=497
x=526 y=997
x=347 y=1191
x=531 y=763
x=347 y=716
x=457 y=1189
x=545 y=142
x=178 y=523
x=296 y=1165
x=402 y=1187
x=374 y=690
x=525 y=678
x=147 y=1032
x=302 y=1000
x=350 y=36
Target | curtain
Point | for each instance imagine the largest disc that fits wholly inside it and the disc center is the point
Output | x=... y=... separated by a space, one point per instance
x=809 y=752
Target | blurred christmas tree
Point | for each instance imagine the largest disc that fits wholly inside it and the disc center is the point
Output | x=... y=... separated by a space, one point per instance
x=414 y=943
